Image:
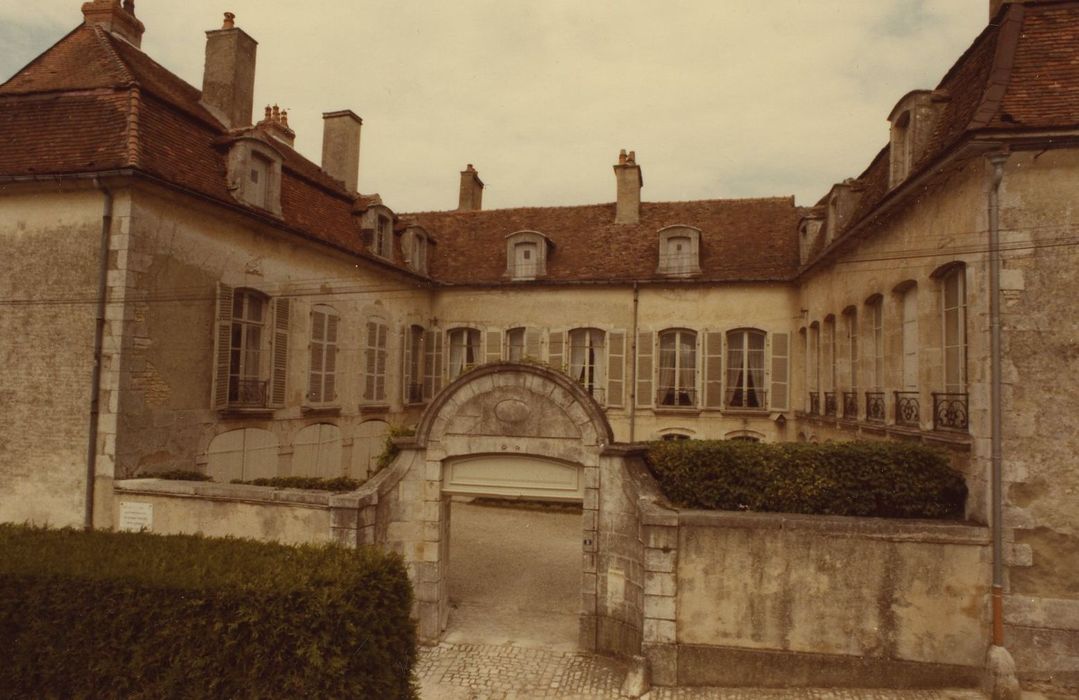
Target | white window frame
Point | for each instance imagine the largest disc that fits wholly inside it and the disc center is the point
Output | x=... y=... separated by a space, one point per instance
x=247 y=345
x=463 y=351
x=515 y=344
x=740 y=395
x=954 y=319
x=376 y=355
x=322 y=358
x=682 y=392
x=588 y=360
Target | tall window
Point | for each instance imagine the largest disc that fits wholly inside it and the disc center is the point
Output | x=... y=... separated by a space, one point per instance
x=414 y=365
x=955 y=331
x=374 y=389
x=851 y=328
x=814 y=358
x=677 y=368
x=322 y=378
x=383 y=236
x=745 y=369
x=464 y=350
x=828 y=354
x=876 y=317
x=246 y=388
x=910 y=339
x=586 y=359
x=515 y=344
x=419 y=252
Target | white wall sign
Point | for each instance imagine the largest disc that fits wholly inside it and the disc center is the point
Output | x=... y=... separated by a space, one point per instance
x=136 y=517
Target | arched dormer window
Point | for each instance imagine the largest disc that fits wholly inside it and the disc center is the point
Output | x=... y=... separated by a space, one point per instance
x=913 y=120
x=416 y=247
x=526 y=255
x=679 y=251
x=254 y=173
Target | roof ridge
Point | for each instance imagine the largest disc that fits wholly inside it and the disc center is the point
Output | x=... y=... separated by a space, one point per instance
x=565 y=207
x=124 y=68
x=134 y=107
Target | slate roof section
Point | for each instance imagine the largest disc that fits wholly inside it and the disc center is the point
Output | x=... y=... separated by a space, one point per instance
x=741 y=240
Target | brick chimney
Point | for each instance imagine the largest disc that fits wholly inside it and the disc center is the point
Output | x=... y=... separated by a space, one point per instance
x=471 y=198
x=116 y=18
x=630 y=182
x=276 y=125
x=228 y=82
x=341 y=147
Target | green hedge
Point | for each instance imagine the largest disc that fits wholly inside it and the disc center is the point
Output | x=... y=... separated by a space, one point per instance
x=874 y=479
x=338 y=484
x=123 y=615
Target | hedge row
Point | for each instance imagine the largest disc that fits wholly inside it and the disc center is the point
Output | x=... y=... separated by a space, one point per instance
x=144 y=616
x=871 y=479
x=338 y=484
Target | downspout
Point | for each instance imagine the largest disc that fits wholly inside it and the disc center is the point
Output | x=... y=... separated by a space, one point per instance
x=996 y=412
x=633 y=367
x=99 y=335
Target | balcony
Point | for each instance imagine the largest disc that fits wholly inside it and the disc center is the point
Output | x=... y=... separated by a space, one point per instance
x=814 y=403
x=247 y=393
x=907 y=409
x=874 y=406
x=829 y=404
x=670 y=397
x=951 y=412
x=850 y=405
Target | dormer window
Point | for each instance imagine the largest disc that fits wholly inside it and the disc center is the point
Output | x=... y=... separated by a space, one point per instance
x=913 y=120
x=254 y=172
x=377 y=228
x=526 y=255
x=679 y=248
x=383 y=237
x=415 y=245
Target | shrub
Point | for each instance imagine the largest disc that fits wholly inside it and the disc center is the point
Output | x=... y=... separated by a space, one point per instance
x=338 y=484
x=876 y=479
x=125 y=615
x=390 y=450
x=178 y=475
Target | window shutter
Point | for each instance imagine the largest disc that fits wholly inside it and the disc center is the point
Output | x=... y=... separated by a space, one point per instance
x=780 y=385
x=616 y=368
x=279 y=369
x=532 y=344
x=314 y=370
x=555 y=350
x=494 y=346
x=329 y=387
x=370 y=361
x=219 y=393
x=380 y=364
x=645 y=368
x=713 y=369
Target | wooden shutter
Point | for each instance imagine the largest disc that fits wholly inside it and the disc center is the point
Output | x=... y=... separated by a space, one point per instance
x=279 y=366
x=645 y=368
x=329 y=364
x=616 y=368
x=555 y=350
x=370 y=361
x=494 y=346
x=219 y=391
x=713 y=369
x=406 y=361
x=532 y=344
x=380 y=362
x=780 y=384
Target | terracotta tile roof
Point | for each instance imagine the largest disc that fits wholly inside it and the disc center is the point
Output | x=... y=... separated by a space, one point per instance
x=741 y=239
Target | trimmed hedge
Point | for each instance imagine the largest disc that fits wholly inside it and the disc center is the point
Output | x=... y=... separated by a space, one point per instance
x=869 y=479
x=339 y=484
x=125 y=615
x=177 y=475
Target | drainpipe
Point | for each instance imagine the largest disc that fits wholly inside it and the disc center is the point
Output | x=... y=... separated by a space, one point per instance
x=995 y=410
x=99 y=334
x=633 y=367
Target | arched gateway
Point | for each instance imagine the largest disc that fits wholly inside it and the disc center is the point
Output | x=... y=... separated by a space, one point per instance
x=519 y=431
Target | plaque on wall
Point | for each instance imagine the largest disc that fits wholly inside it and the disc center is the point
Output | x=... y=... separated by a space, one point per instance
x=136 y=517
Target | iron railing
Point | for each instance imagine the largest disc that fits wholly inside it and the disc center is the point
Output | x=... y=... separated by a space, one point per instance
x=829 y=403
x=950 y=412
x=671 y=396
x=814 y=403
x=747 y=399
x=907 y=409
x=874 y=406
x=247 y=393
x=850 y=405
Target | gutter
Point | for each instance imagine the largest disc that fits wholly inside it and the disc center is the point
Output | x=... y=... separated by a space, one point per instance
x=99 y=335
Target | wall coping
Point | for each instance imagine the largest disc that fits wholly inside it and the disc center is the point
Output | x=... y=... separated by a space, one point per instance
x=894 y=529
x=239 y=493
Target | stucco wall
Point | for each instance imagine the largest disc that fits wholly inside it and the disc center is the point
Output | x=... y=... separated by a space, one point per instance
x=49 y=273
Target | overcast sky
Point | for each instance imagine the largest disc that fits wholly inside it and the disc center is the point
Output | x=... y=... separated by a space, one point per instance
x=720 y=98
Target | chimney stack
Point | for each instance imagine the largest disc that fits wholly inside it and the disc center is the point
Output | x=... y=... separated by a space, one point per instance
x=276 y=125
x=630 y=181
x=471 y=198
x=228 y=82
x=341 y=147
x=116 y=18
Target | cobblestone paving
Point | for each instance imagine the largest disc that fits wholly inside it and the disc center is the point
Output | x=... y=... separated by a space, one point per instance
x=505 y=672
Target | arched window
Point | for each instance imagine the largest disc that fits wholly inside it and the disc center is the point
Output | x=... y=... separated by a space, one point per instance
x=247 y=388
x=679 y=251
x=464 y=351
x=745 y=369
x=586 y=360
x=242 y=455
x=375 y=338
x=954 y=337
x=316 y=451
x=322 y=373
x=875 y=308
x=909 y=308
x=526 y=255
x=677 y=385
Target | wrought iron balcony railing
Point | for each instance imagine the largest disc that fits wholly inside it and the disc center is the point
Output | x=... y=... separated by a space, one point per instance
x=850 y=405
x=679 y=398
x=746 y=399
x=829 y=403
x=951 y=412
x=247 y=393
x=907 y=409
x=814 y=403
x=874 y=406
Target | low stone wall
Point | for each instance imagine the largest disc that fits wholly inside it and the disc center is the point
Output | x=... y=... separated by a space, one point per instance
x=770 y=600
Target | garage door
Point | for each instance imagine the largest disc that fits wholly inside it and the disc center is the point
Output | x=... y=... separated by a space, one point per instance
x=514 y=477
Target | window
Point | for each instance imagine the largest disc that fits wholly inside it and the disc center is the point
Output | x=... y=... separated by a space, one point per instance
x=586 y=360
x=383 y=244
x=464 y=351
x=678 y=251
x=910 y=339
x=414 y=356
x=525 y=260
x=260 y=180
x=876 y=317
x=677 y=368
x=246 y=386
x=745 y=369
x=418 y=252
x=322 y=375
x=317 y=452
x=828 y=354
x=242 y=455
x=374 y=389
x=954 y=332
x=515 y=344
x=813 y=368
x=254 y=173
x=526 y=255
x=901 y=148
x=850 y=323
